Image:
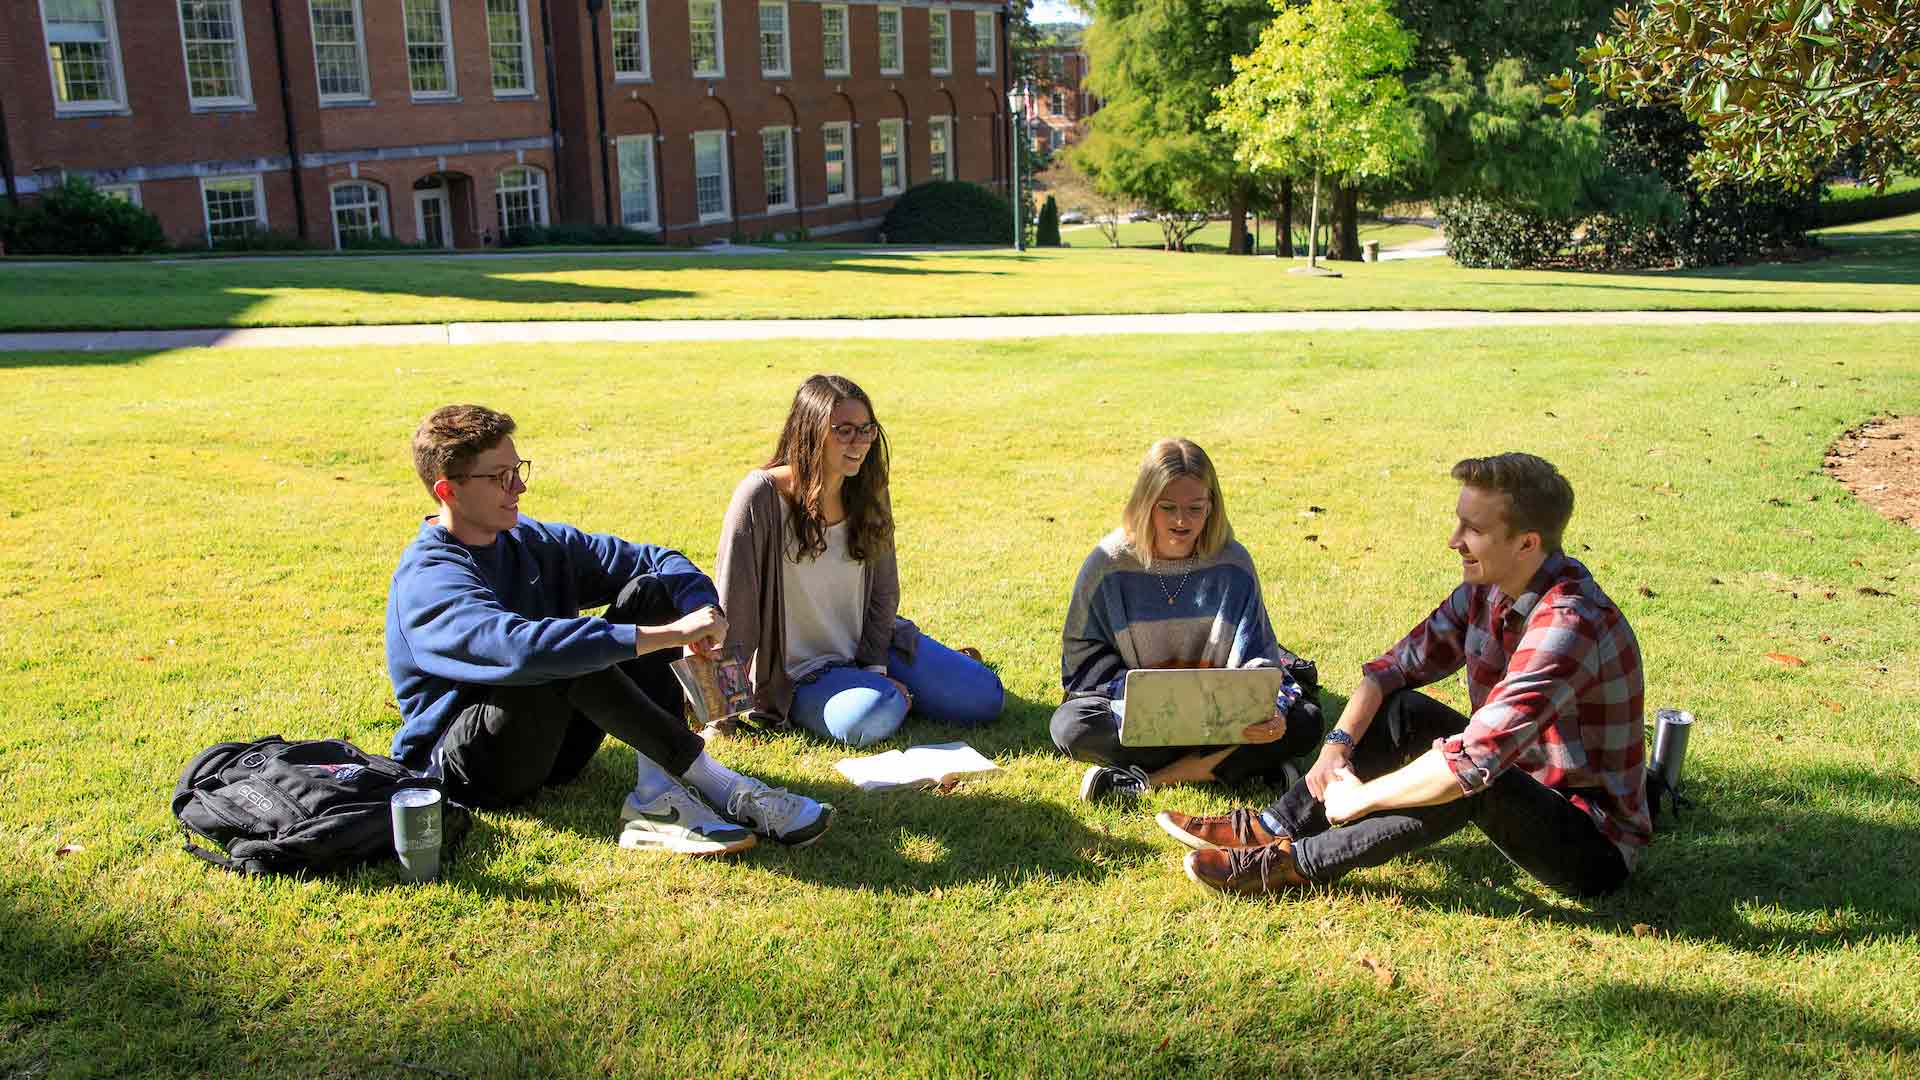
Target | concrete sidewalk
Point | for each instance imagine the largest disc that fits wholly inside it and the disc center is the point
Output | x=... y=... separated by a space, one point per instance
x=983 y=328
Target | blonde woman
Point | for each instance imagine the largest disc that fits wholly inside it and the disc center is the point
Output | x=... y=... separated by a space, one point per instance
x=1171 y=588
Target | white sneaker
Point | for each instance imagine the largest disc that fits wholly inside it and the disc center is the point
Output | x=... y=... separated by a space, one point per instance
x=794 y=820
x=678 y=821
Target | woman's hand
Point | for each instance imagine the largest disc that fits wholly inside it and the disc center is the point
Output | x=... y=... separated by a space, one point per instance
x=1266 y=731
x=1333 y=757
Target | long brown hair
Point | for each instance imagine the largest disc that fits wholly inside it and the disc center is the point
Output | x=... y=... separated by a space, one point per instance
x=803 y=448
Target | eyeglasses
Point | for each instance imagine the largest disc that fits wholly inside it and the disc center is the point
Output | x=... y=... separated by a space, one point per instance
x=866 y=432
x=519 y=470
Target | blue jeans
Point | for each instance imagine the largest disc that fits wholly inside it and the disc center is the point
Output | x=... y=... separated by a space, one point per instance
x=854 y=706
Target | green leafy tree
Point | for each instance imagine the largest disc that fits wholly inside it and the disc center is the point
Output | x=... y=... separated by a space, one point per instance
x=1156 y=64
x=1322 y=94
x=1779 y=88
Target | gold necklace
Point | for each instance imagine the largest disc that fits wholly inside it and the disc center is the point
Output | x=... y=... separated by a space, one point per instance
x=1177 y=589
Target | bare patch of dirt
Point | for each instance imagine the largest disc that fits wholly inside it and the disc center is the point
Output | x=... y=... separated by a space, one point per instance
x=1879 y=462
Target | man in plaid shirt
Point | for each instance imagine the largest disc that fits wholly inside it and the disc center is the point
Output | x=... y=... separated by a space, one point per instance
x=1551 y=766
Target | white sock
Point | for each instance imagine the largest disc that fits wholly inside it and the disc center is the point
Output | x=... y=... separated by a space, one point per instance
x=713 y=780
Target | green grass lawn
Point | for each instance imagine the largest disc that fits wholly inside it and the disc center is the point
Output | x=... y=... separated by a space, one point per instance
x=1213 y=237
x=196 y=546
x=1876 y=269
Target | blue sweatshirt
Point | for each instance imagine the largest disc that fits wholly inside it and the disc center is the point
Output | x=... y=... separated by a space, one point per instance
x=461 y=619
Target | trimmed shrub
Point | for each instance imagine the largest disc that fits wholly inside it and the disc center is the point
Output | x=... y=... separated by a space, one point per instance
x=576 y=236
x=949 y=212
x=1488 y=235
x=1047 y=232
x=75 y=219
x=255 y=238
x=1846 y=205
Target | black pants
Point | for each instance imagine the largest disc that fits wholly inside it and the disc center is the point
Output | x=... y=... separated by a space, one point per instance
x=1086 y=729
x=504 y=748
x=1533 y=825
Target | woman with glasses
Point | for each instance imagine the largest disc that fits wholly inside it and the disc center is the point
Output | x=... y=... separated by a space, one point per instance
x=1172 y=588
x=808 y=581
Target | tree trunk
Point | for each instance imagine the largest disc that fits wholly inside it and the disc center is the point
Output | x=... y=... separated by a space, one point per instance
x=1283 y=236
x=1313 y=226
x=1237 y=218
x=1347 y=224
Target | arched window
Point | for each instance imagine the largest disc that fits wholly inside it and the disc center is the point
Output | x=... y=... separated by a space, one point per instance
x=520 y=196
x=359 y=212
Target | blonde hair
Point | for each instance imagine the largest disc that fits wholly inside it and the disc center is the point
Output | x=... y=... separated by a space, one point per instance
x=1167 y=460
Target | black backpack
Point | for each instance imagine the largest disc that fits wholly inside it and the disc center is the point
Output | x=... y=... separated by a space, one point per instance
x=279 y=807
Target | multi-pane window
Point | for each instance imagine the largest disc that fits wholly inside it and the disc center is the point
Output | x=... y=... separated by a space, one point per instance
x=1056 y=67
x=234 y=207
x=635 y=153
x=83 y=54
x=889 y=23
x=833 y=38
x=773 y=38
x=983 y=41
x=776 y=158
x=337 y=55
x=630 y=55
x=703 y=24
x=893 y=160
x=835 y=139
x=507 y=47
x=429 y=48
x=211 y=35
x=939 y=31
x=710 y=175
x=359 y=213
x=123 y=192
x=940 y=148
x=1056 y=138
x=520 y=197
x=1057 y=103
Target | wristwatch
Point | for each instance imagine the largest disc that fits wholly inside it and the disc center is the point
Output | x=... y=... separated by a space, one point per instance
x=1340 y=737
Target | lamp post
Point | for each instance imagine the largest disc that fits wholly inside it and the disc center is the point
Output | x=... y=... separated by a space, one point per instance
x=1017 y=96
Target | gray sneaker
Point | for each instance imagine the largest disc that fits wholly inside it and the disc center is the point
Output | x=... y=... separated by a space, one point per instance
x=680 y=822
x=776 y=813
x=1101 y=783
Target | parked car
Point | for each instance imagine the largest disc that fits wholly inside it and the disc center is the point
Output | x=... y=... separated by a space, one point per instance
x=1140 y=215
x=1074 y=217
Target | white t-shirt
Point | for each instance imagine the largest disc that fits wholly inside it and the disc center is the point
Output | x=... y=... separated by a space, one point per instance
x=824 y=608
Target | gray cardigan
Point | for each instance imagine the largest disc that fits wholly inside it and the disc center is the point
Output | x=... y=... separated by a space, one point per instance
x=747 y=570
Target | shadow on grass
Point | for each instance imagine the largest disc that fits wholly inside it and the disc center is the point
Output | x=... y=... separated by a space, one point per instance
x=1764 y=861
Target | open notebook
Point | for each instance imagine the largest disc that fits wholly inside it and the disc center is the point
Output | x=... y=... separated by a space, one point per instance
x=917 y=766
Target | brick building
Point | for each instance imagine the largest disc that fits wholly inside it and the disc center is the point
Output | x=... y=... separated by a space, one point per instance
x=446 y=122
x=1061 y=102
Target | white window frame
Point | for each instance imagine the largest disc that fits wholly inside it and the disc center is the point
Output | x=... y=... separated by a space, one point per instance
x=407 y=45
x=379 y=201
x=784 y=61
x=118 y=70
x=242 y=75
x=1056 y=138
x=940 y=63
x=540 y=217
x=360 y=56
x=897 y=128
x=1057 y=101
x=644 y=30
x=880 y=39
x=845 y=131
x=719 y=68
x=846 y=50
x=651 y=223
x=984 y=19
x=943 y=125
x=525 y=90
x=129 y=192
x=725 y=213
x=259 y=201
x=785 y=135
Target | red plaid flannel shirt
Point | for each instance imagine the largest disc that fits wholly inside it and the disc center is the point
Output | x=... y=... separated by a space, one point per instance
x=1554 y=676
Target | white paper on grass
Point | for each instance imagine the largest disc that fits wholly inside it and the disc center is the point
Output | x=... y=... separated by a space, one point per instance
x=933 y=764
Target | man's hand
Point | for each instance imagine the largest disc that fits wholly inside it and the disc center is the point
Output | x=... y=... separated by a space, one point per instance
x=701 y=630
x=1266 y=731
x=1343 y=798
x=1333 y=756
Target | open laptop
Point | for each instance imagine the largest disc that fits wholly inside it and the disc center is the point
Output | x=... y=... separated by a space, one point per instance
x=1195 y=706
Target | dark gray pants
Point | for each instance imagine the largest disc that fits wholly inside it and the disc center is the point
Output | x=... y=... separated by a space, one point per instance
x=504 y=748
x=1532 y=824
x=1086 y=729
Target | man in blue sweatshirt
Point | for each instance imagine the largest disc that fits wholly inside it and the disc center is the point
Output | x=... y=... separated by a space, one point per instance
x=505 y=687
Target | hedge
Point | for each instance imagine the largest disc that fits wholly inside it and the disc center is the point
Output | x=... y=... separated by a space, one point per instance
x=949 y=212
x=1845 y=205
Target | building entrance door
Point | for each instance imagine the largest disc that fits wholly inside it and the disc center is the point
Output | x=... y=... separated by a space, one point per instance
x=430 y=217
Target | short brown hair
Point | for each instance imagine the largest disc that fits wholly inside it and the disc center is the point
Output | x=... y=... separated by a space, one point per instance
x=452 y=436
x=1167 y=460
x=1539 y=499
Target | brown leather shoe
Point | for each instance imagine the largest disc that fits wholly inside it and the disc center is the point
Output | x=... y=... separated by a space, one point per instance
x=1233 y=829
x=1260 y=871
